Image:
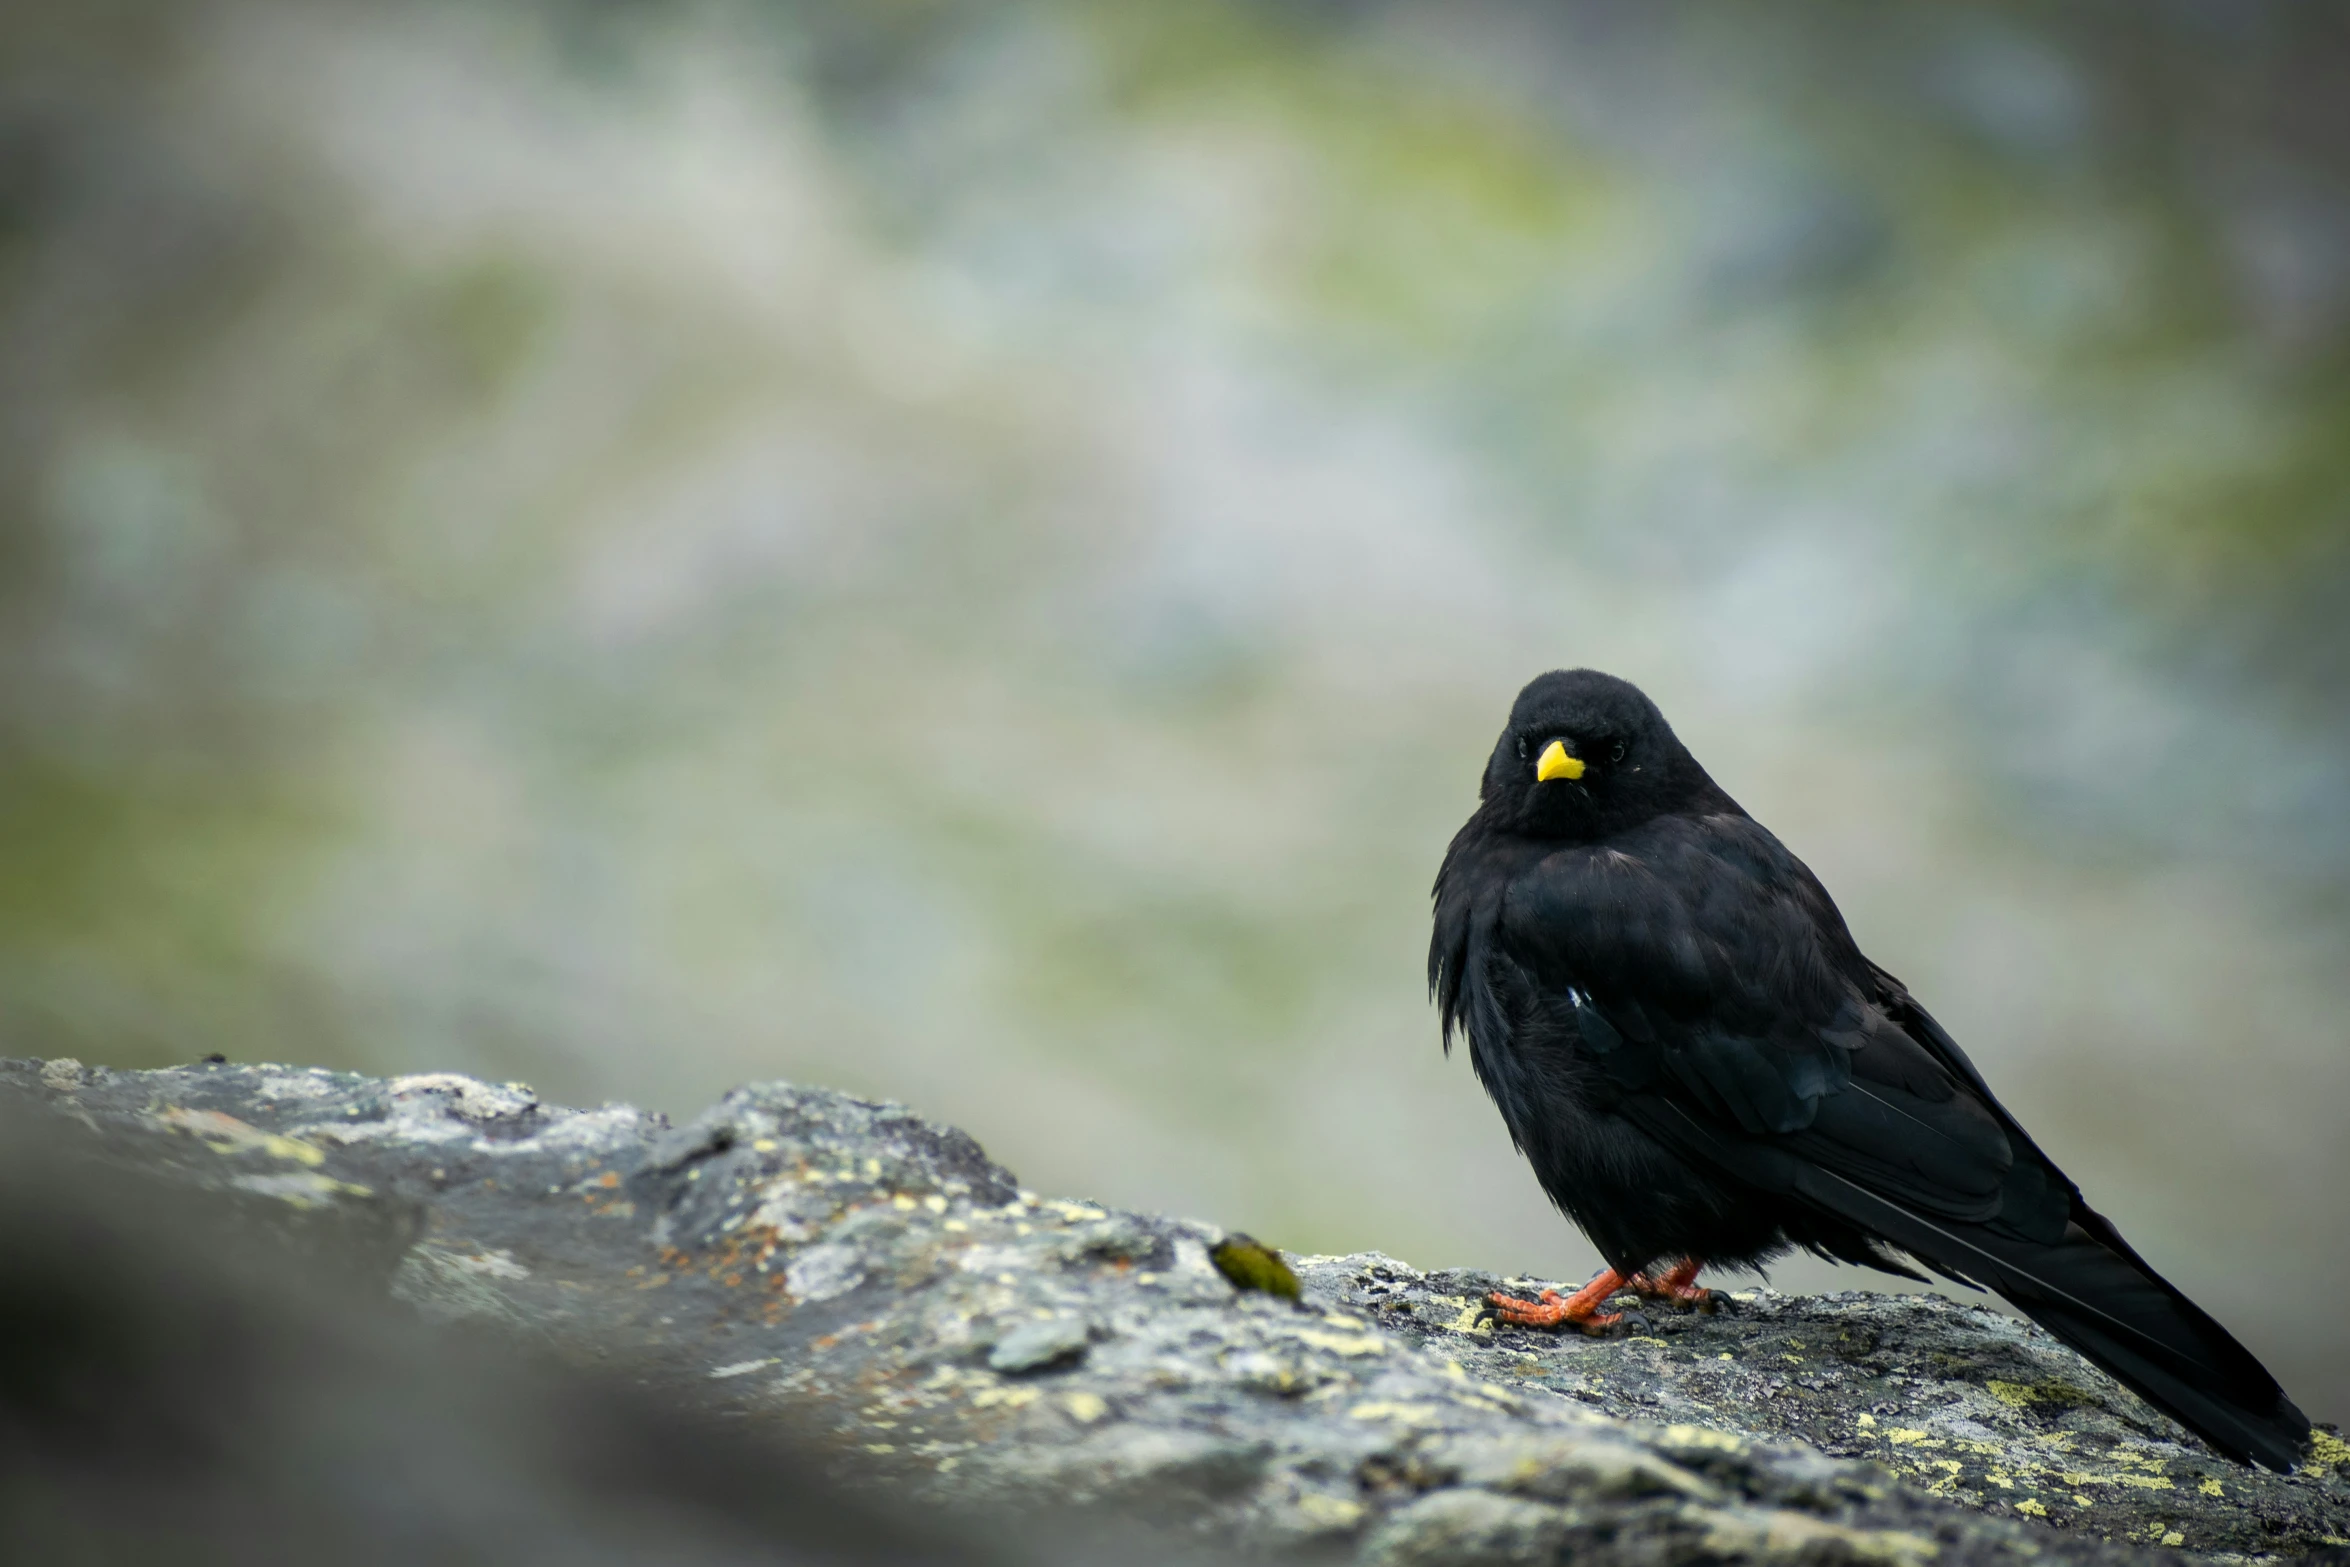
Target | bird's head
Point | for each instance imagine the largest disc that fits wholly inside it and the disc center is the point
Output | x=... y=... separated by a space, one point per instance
x=1585 y=755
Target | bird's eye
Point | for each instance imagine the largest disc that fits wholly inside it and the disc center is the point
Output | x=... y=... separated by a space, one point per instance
x=1521 y=748
x=1615 y=753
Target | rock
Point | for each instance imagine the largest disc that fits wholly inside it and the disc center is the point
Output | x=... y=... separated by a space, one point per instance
x=1035 y=1345
x=1960 y=1401
x=1465 y=1528
x=175 y=1388
x=830 y=1264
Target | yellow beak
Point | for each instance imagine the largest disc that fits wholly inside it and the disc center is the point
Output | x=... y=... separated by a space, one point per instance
x=1556 y=763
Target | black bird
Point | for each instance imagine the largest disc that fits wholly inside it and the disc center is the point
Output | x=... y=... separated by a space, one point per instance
x=1701 y=1066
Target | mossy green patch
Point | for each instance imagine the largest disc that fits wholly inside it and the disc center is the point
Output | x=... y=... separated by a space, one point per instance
x=1249 y=1264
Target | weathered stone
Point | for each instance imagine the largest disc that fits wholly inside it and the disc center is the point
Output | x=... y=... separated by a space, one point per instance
x=1035 y=1345
x=1958 y=1400
x=843 y=1266
x=1466 y=1528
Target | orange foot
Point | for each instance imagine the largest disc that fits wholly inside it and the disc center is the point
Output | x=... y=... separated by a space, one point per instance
x=1677 y=1284
x=1581 y=1308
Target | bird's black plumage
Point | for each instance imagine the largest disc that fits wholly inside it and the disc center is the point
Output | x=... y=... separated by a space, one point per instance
x=1698 y=1061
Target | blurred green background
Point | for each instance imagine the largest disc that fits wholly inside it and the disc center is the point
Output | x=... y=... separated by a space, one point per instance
x=974 y=553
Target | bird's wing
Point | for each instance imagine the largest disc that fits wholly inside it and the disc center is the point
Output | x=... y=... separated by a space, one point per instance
x=1716 y=989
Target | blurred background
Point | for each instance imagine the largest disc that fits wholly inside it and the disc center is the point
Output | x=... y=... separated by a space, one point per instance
x=973 y=553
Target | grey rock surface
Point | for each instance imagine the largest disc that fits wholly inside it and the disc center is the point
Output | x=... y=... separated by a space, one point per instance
x=845 y=1266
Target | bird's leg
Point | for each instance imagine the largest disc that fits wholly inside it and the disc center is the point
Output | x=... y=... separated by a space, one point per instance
x=1677 y=1284
x=1580 y=1308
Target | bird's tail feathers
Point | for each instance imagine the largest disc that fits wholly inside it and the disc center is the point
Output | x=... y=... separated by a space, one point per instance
x=2095 y=1293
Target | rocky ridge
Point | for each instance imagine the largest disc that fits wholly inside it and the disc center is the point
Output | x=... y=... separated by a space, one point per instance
x=843 y=1265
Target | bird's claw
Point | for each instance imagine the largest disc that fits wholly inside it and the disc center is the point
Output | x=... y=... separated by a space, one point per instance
x=1676 y=1286
x=1551 y=1311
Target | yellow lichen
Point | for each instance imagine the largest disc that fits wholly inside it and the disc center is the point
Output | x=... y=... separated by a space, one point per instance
x=1703 y=1437
x=1329 y=1512
x=1791 y=1536
x=225 y=1134
x=1471 y=1319
x=2021 y=1395
x=1947 y=1480
x=1399 y=1413
x=1009 y=1397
